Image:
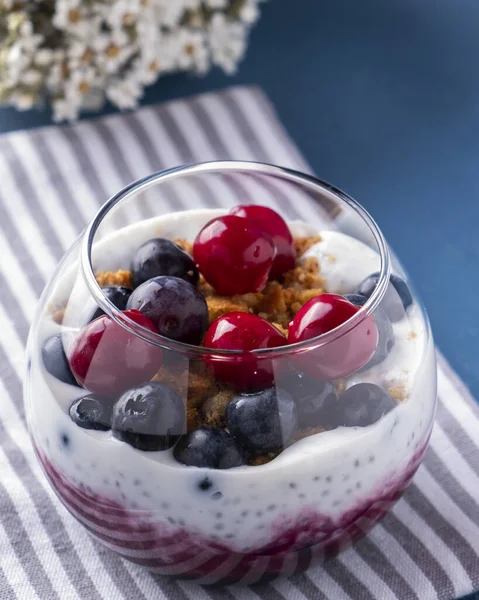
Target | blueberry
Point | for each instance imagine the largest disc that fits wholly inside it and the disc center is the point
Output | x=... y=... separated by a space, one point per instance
x=262 y=422
x=397 y=299
x=149 y=417
x=162 y=257
x=357 y=299
x=364 y=404
x=316 y=401
x=386 y=339
x=366 y=287
x=90 y=412
x=55 y=360
x=176 y=307
x=209 y=447
x=117 y=295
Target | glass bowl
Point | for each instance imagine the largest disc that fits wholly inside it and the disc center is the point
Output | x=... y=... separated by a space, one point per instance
x=293 y=451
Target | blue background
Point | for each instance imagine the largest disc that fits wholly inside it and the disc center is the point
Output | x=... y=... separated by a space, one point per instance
x=382 y=96
x=383 y=99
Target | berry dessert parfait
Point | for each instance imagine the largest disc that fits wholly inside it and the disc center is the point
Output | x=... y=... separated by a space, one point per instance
x=229 y=376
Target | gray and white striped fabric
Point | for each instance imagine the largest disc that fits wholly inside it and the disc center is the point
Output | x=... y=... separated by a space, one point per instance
x=51 y=182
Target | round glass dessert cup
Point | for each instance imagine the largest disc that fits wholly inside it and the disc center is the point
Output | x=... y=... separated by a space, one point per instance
x=269 y=442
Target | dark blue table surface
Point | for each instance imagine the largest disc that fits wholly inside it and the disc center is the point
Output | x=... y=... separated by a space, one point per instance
x=383 y=99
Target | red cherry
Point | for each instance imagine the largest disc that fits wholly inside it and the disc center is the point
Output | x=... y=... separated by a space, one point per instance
x=342 y=356
x=320 y=315
x=107 y=359
x=234 y=255
x=242 y=331
x=271 y=222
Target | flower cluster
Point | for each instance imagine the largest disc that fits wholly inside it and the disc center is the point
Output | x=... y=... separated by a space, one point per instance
x=76 y=53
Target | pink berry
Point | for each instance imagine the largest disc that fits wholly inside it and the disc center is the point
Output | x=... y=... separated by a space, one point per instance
x=271 y=222
x=234 y=255
x=107 y=359
x=342 y=356
x=242 y=331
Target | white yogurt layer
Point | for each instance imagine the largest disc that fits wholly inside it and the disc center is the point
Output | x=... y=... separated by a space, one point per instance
x=344 y=261
x=330 y=472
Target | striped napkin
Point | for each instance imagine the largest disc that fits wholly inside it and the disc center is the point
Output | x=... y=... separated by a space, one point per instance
x=51 y=183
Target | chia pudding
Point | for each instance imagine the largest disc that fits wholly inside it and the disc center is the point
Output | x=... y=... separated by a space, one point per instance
x=214 y=496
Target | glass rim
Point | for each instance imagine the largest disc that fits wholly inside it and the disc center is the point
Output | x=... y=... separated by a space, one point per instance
x=291 y=175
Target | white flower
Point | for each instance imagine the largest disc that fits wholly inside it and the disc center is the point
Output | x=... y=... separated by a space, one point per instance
x=76 y=49
x=24 y=100
x=71 y=16
x=80 y=83
x=55 y=77
x=28 y=41
x=170 y=12
x=94 y=100
x=125 y=93
x=147 y=71
x=43 y=57
x=59 y=54
x=7 y=4
x=21 y=53
x=65 y=110
x=122 y=12
x=216 y=3
x=26 y=28
x=31 y=77
x=148 y=31
x=67 y=13
x=191 y=51
x=94 y=49
x=249 y=11
x=227 y=41
x=78 y=55
x=113 y=50
x=147 y=68
x=16 y=62
x=155 y=59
